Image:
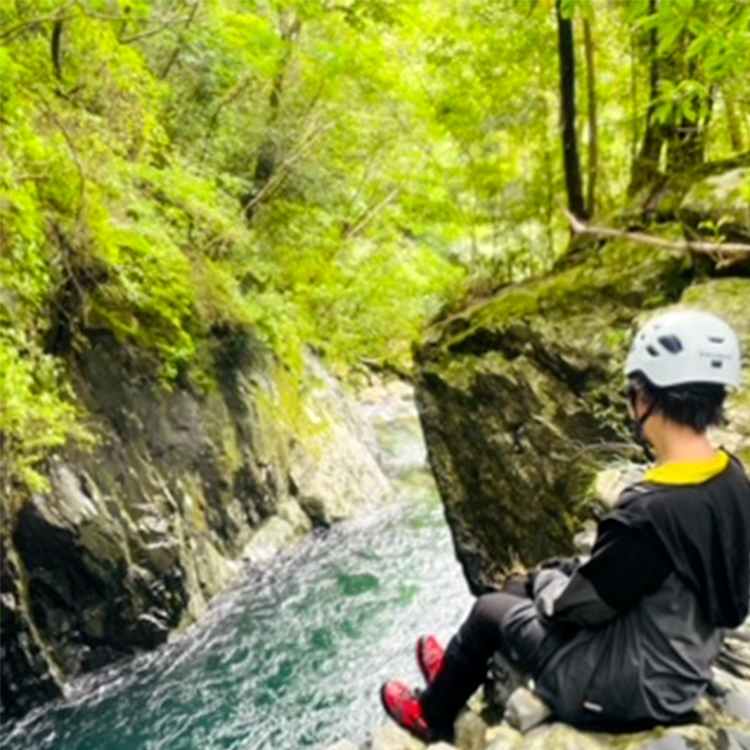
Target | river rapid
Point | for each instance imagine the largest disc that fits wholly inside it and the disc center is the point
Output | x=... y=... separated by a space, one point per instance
x=293 y=656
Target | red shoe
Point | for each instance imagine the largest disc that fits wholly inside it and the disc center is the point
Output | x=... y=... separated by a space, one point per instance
x=430 y=657
x=402 y=704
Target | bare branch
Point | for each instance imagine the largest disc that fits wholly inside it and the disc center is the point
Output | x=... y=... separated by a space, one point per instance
x=73 y=151
x=238 y=89
x=356 y=228
x=178 y=47
x=166 y=24
x=712 y=248
x=8 y=35
x=284 y=169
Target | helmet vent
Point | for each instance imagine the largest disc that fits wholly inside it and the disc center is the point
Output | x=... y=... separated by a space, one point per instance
x=650 y=349
x=716 y=339
x=717 y=363
x=671 y=343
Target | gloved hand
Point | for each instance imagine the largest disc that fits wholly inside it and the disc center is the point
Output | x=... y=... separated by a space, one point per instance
x=566 y=565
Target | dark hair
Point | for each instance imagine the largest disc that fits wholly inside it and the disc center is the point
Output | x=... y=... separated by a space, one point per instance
x=695 y=405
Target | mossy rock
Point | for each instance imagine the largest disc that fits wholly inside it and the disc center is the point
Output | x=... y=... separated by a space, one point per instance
x=720 y=205
x=730 y=299
x=520 y=402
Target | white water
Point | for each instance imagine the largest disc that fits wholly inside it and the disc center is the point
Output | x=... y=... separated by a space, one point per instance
x=292 y=657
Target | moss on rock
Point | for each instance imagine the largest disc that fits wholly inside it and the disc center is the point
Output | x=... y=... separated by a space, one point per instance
x=520 y=402
x=720 y=205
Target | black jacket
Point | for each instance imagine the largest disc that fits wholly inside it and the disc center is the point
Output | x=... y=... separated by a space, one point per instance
x=669 y=570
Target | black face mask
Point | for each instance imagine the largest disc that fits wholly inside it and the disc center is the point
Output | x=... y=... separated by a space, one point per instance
x=637 y=423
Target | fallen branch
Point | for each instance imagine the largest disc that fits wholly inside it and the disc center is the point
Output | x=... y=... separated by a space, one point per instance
x=712 y=248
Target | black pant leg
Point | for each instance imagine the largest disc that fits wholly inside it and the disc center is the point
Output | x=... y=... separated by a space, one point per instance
x=466 y=657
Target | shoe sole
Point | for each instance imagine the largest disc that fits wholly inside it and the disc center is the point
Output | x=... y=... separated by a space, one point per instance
x=420 y=660
x=386 y=707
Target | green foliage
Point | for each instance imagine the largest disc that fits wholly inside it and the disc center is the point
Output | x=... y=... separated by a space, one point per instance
x=702 y=45
x=320 y=173
x=37 y=414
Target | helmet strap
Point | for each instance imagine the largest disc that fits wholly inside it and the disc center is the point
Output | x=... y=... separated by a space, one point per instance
x=637 y=426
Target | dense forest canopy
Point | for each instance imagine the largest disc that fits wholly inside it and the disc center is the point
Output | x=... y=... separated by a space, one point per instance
x=320 y=172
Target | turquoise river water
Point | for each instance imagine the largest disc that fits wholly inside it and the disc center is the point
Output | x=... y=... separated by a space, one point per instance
x=293 y=656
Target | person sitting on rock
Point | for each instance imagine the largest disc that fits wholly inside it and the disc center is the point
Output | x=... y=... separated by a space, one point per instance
x=625 y=639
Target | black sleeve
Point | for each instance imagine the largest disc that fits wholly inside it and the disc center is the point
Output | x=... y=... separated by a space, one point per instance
x=624 y=566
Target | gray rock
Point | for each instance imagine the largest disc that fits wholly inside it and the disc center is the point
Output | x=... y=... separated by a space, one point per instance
x=26 y=676
x=720 y=205
x=503 y=737
x=561 y=737
x=470 y=731
x=525 y=710
x=334 y=469
x=669 y=743
x=735 y=704
x=733 y=739
x=391 y=737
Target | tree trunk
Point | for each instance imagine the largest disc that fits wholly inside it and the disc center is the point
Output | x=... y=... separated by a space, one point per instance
x=573 y=182
x=646 y=165
x=687 y=138
x=593 y=155
x=56 y=48
x=733 y=125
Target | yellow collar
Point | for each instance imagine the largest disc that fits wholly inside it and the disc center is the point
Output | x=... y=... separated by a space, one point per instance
x=688 y=472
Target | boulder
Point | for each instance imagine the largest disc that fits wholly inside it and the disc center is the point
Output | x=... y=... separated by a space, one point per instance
x=391 y=737
x=503 y=737
x=719 y=205
x=471 y=729
x=520 y=399
x=26 y=677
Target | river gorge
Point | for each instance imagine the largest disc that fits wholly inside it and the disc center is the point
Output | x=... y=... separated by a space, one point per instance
x=294 y=654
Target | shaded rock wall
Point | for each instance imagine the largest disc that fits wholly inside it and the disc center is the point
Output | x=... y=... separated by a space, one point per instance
x=520 y=395
x=135 y=536
x=520 y=401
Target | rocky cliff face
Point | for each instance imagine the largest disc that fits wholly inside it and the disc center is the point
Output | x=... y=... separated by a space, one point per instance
x=135 y=536
x=520 y=396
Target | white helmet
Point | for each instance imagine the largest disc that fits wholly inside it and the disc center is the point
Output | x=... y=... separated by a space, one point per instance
x=686 y=346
